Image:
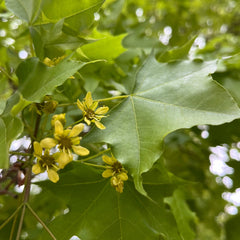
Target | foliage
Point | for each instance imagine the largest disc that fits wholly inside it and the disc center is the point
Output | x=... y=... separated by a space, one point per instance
x=110 y=113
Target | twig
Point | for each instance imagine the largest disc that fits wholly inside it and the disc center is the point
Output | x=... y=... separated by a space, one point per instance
x=40 y=220
x=21 y=222
x=28 y=177
x=13 y=227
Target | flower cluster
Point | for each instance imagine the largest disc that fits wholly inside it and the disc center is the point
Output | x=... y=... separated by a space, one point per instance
x=116 y=171
x=67 y=141
x=54 y=153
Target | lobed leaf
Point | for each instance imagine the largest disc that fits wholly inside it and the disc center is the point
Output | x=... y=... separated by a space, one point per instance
x=163 y=97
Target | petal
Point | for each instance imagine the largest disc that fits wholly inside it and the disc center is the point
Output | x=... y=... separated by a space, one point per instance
x=80 y=150
x=80 y=105
x=88 y=99
x=119 y=187
x=115 y=181
x=36 y=168
x=87 y=121
x=53 y=175
x=64 y=159
x=77 y=129
x=48 y=143
x=99 y=125
x=58 y=128
x=108 y=160
x=94 y=105
x=37 y=148
x=75 y=140
x=61 y=117
x=123 y=176
x=107 y=173
x=102 y=110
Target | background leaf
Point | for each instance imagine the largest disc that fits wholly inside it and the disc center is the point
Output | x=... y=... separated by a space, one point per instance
x=184 y=216
x=107 y=48
x=77 y=17
x=10 y=128
x=43 y=79
x=24 y=9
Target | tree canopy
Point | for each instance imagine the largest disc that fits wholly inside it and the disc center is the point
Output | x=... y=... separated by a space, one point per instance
x=119 y=119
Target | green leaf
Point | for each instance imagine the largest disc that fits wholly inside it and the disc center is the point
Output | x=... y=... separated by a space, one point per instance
x=78 y=16
x=24 y=9
x=163 y=98
x=97 y=211
x=2 y=105
x=178 y=53
x=10 y=128
x=50 y=41
x=183 y=215
x=37 y=80
x=107 y=48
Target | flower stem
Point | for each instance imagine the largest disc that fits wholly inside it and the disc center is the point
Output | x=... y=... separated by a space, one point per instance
x=94 y=156
x=40 y=220
x=111 y=98
x=78 y=121
x=95 y=165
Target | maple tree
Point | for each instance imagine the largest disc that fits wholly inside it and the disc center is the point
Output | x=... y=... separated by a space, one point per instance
x=110 y=112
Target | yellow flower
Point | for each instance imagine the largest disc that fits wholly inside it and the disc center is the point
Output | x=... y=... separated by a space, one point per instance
x=45 y=161
x=90 y=111
x=59 y=117
x=67 y=141
x=51 y=63
x=116 y=171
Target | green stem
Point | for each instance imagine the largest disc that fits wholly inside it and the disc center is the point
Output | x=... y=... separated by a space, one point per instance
x=21 y=222
x=13 y=227
x=78 y=121
x=20 y=153
x=40 y=220
x=7 y=221
x=66 y=104
x=111 y=98
x=94 y=156
x=95 y=165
